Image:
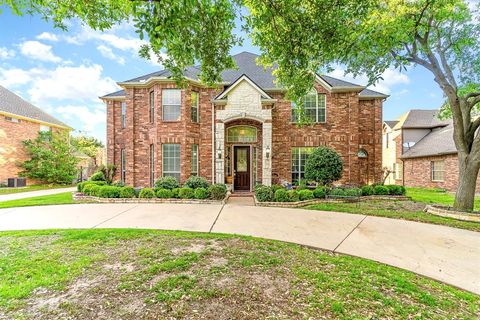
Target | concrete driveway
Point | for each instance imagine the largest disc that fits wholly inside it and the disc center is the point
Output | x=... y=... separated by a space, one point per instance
x=446 y=254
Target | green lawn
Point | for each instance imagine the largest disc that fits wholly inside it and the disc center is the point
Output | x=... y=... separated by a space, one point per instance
x=435 y=196
x=133 y=274
x=59 y=198
x=32 y=188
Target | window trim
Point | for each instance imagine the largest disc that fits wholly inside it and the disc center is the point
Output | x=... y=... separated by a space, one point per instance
x=196 y=162
x=299 y=162
x=151 y=99
x=432 y=170
x=124 y=114
x=197 y=120
x=152 y=164
x=179 y=105
x=243 y=126
x=12 y=119
x=123 y=165
x=179 y=159
x=317 y=107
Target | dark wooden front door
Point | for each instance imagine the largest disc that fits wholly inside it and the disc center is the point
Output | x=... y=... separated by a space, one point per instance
x=241 y=167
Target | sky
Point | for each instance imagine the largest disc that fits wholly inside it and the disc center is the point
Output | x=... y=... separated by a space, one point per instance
x=64 y=72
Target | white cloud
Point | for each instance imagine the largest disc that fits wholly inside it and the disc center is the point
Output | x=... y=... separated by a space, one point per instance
x=91 y=118
x=15 y=76
x=391 y=77
x=6 y=53
x=38 y=51
x=108 y=53
x=47 y=36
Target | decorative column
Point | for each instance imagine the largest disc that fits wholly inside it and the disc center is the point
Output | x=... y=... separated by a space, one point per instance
x=219 y=152
x=267 y=154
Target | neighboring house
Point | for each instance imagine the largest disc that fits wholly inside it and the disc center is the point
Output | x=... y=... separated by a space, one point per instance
x=19 y=121
x=242 y=132
x=420 y=150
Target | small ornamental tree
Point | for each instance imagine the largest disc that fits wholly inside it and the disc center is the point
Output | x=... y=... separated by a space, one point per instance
x=324 y=166
x=52 y=159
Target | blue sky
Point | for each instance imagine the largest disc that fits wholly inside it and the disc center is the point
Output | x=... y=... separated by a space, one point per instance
x=65 y=72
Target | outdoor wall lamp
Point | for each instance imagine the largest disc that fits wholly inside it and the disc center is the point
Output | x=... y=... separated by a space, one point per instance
x=267 y=152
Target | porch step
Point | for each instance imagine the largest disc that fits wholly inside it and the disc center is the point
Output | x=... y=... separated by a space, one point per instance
x=238 y=194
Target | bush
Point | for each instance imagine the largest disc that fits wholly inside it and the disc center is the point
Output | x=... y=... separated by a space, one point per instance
x=353 y=192
x=164 y=193
x=324 y=166
x=305 y=194
x=302 y=185
x=276 y=187
x=97 y=176
x=380 y=190
x=367 y=190
x=167 y=182
x=81 y=185
x=186 y=193
x=108 y=172
x=201 y=193
x=175 y=193
x=264 y=193
x=395 y=190
x=118 y=183
x=127 y=192
x=108 y=192
x=217 y=191
x=320 y=192
x=339 y=192
x=147 y=193
x=281 y=195
x=91 y=190
x=195 y=182
x=293 y=196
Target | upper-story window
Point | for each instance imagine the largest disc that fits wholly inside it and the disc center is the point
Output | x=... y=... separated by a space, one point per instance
x=152 y=107
x=171 y=104
x=194 y=102
x=314 y=108
x=44 y=128
x=11 y=119
x=124 y=114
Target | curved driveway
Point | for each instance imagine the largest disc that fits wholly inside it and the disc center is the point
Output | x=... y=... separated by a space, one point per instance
x=446 y=254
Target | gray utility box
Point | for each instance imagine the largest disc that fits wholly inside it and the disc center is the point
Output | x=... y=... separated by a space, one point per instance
x=17 y=182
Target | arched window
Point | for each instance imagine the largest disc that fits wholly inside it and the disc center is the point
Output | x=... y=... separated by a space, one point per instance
x=242 y=134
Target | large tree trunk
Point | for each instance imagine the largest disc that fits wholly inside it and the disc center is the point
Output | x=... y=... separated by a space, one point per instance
x=467 y=182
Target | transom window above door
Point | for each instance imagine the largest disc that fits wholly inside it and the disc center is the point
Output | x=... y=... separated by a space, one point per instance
x=243 y=134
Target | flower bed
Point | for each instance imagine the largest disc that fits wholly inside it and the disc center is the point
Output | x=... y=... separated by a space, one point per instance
x=298 y=204
x=79 y=196
x=449 y=212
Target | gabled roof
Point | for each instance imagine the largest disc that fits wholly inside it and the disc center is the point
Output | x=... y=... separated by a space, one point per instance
x=422 y=119
x=14 y=105
x=367 y=93
x=242 y=78
x=391 y=124
x=116 y=94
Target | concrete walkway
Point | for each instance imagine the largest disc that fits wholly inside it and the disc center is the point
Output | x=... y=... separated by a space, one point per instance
x=446 y=254
x=38 y=193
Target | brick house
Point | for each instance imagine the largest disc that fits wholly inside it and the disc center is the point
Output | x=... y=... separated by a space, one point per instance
x=241 y=132
x=20 y=120
x=419 y=149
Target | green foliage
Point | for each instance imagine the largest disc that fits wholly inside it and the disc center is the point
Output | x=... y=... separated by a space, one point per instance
x=201 y=193
x=97 y=176
x=217 y=191
x=338 y=192
x=51 y=159
x=147 y=193
x=380 y=190
x=164 y=193
x=324 y=165
x=281 y=195
x=108 y=192
x=195 y=182
x=118 y=183
x=81 y=185
x=293 y=196
x=186 y=193
x=395 y=190
x=353 y=192
x=167 y=182
x=87 y=145
x=91 y=189
x=108 y=172
x=367 y=190
x=305 y=195
x=302 y=185
x=320 y=192
x=127 y=192
x=175 y=193
x=263 y=193
x=276 y=187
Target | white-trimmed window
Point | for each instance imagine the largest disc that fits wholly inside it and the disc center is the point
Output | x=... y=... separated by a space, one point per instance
x=194 y=105
x=314 y=108
x=11 y=119
x=438 y=171
x=44 y=128
x=124 y=114
x=152 y=107
x=299 y=157
x=152 y=165
x=194 y=159
x=171 y=104
x=171 y=160
x=123 y=165
x=397 y=171
x=242 y=134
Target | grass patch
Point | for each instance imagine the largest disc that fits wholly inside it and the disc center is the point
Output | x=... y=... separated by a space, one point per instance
x=131 y=274
x=435 y=196
x=59 y=198
x=35 y=187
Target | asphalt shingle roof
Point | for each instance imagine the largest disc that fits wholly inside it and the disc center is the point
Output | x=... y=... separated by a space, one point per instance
x=119 y=93
x=12 y=103
x=438 y=142
x=423 y=119
x=391 y=124
x=371 y=93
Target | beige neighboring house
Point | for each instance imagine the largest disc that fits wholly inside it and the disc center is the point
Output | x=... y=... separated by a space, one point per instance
x=20 y=120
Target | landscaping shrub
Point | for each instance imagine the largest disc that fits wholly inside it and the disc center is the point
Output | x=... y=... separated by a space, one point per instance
x=91 y=190
x=324 y=165
x=201 y=193
x=108 y=192
x=339 y=192
x=186 y=193
x=293 y=196
x=118 y=183
x=164 y=193
x=86 y=189
x=147 y=193
x=280 y=195
x=97 y=176
x=195 y=182
x=380 y=190
x=302 y=185
x=217 y=191
x=320 y=192
x=276 y=187
x=167 y=182
x=108 y=172
x=81 y=185
x=175 y=193
x=137 y=191
x=305 y=194
x=367 y=190
x=395 y=190
x=264 y=193
x=353 y=192
x=127 y=192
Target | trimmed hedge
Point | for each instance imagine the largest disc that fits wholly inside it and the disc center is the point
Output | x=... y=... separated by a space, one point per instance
x=395 y=190
x=167 y=182
x=127 y=192
x=380 y=190
x=367 y=190
x=147 y=193
x=108 y=192
x=164 y=193
x=201 y=193
x=353 y=192
x=276 y=187
x=217 y=191
x=281 y=195
x=320 y=192
x=186 y=193
x=195 y=182
x=339 y=192
x=305 y=194
x=97 y=176
x=81 y=185
x=293 y=196
x=263 y=193
x=175 y=193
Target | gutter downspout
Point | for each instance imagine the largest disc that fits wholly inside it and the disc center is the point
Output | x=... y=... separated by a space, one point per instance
x=213 y=143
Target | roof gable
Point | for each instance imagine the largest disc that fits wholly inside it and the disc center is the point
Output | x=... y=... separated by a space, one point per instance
x=243 y=78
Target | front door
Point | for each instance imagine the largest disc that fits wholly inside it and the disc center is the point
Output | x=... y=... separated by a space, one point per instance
x=241 y=168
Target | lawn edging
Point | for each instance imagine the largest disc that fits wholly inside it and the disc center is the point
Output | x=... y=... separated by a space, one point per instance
x=79 y=196
x=304 y=203
x=448 y=212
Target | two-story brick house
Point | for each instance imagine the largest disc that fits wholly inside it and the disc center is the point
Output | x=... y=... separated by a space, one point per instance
x=241 y=132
